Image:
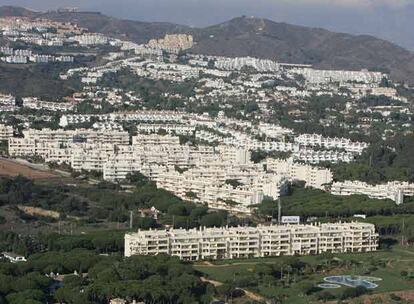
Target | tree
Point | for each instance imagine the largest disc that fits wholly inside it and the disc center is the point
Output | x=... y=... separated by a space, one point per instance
x=212 y=220
x=325 y=296
x=137 y=178
x=354 y=292
x=251 y=106
x=257 y=156
x=234 y=183
x=32 y=296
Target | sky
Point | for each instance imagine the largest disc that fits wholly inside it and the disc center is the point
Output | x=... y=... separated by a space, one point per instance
x=388 y=19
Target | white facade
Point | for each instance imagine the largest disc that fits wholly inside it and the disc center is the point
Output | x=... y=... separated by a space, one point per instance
x=394 y=191
x=251 y=242
x=331 y=143
x=313 y=177
x=6 y=132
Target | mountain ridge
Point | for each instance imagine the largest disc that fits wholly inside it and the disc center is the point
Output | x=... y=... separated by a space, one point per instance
x=257 y=37
x=263 y=38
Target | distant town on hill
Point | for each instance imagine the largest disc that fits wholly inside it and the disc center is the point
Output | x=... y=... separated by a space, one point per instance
x=246 y=36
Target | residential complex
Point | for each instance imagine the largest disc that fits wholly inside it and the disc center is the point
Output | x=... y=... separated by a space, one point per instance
x=394 y=191
x=252 y=242
x=224 y=176
x=225 y=113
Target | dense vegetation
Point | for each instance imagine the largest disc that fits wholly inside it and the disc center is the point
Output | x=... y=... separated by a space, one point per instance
x=36 y=80
x=158 y=279
x=382 y=161
x=107 y=202
x=309 y=203
x=295 y=279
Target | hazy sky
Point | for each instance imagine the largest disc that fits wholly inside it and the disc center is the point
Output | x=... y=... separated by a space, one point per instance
x=389 y=19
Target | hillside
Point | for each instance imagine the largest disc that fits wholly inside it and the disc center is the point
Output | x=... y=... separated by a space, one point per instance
x=6 y=11
x=137 y=31
x=296 y=44
x=261 y=38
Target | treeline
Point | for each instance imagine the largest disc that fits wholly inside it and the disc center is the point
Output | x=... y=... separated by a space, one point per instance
x=102 y=242
x=394 y=225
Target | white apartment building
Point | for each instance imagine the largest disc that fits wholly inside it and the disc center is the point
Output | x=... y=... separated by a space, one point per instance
x=313 y=177
x=7 y=100
x=233 y=64
x=253 y=242
x=330 y=143
x=79 y=135
x=83 y=149
x=169 y=128
x=34 y=103
x=394 y=191
x=388 y=92
x=155 y=140
x=223 y=177
x=316 y=157
x=16 y=59
x=91 y=39
x=22 y=147
x=274 y=131
x=327 y=76
x=6 y=132
x=208 y=184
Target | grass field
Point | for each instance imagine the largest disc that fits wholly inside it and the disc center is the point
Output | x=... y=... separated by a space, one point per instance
x=388 y=265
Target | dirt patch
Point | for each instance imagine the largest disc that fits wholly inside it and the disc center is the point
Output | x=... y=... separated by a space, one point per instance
x=386 y=297
x=39 y=212
x=251 y=295
x=13 y=168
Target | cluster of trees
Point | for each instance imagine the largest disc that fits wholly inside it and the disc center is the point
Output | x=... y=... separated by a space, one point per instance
x=22 y=244
x=101 y=242
x=374 y=101
x=22 y=287
x=15 y=190
x=108 y=202
x=394 y=226
x=151 y=91
x=115 y=205
x=382 y=161
x=20 y=190
x=40 y=80
x=272 y=279
x=258 y=155
x=348 y=293
x=93 y=278
x=310 y=202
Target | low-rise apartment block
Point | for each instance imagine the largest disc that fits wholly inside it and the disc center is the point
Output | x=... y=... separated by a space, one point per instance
x=314 y=177
x=253 y=242
x=331 y=143
x=6 y=132
x=394 y=191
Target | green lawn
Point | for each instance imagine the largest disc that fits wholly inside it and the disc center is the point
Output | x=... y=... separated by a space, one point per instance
x=389 y=263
